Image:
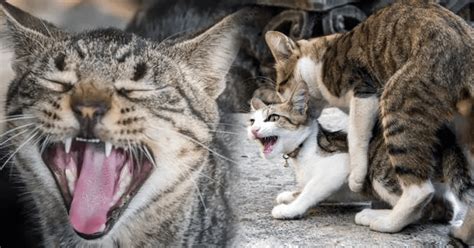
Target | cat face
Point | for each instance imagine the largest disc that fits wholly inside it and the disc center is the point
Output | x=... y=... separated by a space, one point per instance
x=279 y=128
x=107 y=123
x=297 y=63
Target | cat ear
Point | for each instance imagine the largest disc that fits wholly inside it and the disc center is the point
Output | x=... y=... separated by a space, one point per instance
x=257 y=104
x=281 y=46
x=24 y=32
x=299 y=99
x=211 y=54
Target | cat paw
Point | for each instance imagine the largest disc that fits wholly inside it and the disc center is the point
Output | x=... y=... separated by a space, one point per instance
x=385 y=224
x=366 y=216
x=286 y=212
x=462 y=234
x=285 y=197
x=356 y=181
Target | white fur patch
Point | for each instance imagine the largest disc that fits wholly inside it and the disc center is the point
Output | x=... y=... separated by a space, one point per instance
x=312 y=74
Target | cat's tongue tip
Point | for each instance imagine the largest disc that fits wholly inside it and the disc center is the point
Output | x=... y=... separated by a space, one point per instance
x=90 y=227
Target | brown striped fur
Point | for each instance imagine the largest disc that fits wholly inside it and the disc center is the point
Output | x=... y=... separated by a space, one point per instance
x=417 y=58
x=382 y=182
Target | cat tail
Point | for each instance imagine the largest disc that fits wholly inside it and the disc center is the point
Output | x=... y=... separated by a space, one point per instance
x=416 y=2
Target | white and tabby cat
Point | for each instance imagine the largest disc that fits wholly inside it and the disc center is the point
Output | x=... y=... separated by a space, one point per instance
x=321 y=161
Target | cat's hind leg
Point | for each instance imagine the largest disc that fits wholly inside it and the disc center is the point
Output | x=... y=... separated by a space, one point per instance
x=413 y=108
x=407 y=210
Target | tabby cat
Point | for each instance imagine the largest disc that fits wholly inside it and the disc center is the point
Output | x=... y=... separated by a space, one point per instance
x=321 y=161
x=110 y=134
x=417 y=58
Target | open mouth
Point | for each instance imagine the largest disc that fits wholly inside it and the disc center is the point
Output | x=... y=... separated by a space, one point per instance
x=268 y=143
x=97 y=181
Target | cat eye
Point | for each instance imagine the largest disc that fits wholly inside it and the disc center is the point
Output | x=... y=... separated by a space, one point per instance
x=252 y=121
x=135 y=93
x=55 y=85
x=273 y=117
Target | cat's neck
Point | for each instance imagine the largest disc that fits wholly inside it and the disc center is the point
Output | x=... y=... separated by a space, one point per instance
x=309 y=146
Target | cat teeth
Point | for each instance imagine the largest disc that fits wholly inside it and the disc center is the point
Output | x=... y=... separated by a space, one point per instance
x=124 y=179
x=67 y=145
x=108 y=148
x=88 y=140
x=71 y=176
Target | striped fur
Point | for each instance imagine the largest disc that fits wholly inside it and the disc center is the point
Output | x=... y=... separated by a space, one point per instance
x=417 y=58
x=159 y=95
x=382 y=182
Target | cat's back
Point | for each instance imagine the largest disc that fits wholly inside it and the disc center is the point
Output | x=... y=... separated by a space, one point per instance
x=411 y=30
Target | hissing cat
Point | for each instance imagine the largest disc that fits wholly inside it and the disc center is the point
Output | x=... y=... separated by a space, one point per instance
x=109 y=133
x=417 y=57
x=321 y=161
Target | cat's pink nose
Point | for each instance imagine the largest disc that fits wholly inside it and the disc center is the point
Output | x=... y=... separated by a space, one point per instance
x=255 y=132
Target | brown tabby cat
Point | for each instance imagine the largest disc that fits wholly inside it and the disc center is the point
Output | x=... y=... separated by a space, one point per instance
x=417 y=57
x=320 y=160
x=110 y=135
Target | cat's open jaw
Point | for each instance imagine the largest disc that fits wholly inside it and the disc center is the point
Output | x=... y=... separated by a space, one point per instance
x=97 y=181
x=268 y=143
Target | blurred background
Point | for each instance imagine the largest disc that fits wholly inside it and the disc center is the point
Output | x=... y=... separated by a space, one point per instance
x=82 y=14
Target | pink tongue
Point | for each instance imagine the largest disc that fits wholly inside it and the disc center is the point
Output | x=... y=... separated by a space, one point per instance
x=94 y=191
x=268 y=147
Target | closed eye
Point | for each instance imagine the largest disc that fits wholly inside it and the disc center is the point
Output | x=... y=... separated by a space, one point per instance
x=138 y=92
x=56 y=85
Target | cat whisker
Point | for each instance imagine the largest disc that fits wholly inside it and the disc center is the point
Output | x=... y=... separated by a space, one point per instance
x=225 y=132
x=228 y=124
x=17 y=118
x=174 y=35
x=12 y=137
x=32 y=135
x=16 y=128
x=200 y=144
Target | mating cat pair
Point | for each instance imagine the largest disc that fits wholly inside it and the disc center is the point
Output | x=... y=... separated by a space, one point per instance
x=321 y=161
x=411 y=62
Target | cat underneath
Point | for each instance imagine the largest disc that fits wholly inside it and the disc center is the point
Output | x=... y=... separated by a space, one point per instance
x=321 y=161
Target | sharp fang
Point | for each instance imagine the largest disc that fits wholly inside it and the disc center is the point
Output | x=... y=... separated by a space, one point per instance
x=67 y=145
x=108 y=149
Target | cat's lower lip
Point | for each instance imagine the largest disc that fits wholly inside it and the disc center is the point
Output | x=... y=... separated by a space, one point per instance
x=96 y=180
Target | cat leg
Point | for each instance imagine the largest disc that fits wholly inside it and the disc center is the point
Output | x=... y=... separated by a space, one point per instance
x=465 y=232
x=367 y=216
x=362 y=116
x=407 y=210
x=321 y=186
x=413 y=109
x=286 y=197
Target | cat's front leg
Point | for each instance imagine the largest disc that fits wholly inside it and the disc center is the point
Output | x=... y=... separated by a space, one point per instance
x=362 y=117
x=287 y=197
x=316 y=190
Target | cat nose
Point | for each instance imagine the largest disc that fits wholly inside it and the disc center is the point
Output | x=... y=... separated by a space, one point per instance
x=255 y=132
x=88 y=113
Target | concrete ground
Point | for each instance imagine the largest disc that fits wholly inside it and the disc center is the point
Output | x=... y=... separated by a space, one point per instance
x=256 y=183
